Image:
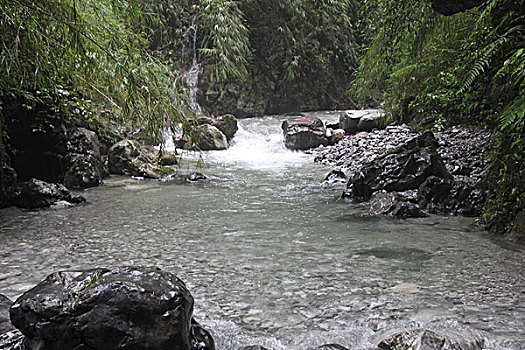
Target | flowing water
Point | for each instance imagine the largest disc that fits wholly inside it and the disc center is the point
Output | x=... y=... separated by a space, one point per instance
x=274 y=258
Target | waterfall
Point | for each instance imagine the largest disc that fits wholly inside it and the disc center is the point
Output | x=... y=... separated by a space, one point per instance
x=192 y=74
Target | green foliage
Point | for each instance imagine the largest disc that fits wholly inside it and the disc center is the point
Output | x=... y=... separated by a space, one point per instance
x=94 y=49
x=226 y=41
x=468 y=68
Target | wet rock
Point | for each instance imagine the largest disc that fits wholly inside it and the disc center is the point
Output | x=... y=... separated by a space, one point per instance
x=123 y=308
x=404 y=168
x=201 y=339
x=227 y=124
x=83 y=159
x=419 y=339
x=304 y=133
x=8 y=189
x=335 y=177
x=129 y=157
x=12 y=340
x=445 y=196
x=39 y=194
x=5 y=322
x=393 y=204
x=210 y=138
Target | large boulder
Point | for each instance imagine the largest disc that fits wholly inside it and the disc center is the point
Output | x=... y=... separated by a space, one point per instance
x=129 y=157
x=227 y=124
x=348 y=121
x=40 y=194
x=353 y=121
x=210 y=138
x=123 y=308
x=83 y=157
x=304 y=133
x=404 y=168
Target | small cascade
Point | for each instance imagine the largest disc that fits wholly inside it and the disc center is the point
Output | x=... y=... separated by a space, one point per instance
x=192 y=74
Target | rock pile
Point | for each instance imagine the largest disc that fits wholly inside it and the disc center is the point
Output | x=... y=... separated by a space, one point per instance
x=402 y=174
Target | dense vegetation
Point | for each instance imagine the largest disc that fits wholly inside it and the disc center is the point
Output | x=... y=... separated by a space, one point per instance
x=466 y=69
x=63 y=59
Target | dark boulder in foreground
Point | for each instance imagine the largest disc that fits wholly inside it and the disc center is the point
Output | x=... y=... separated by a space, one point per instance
x=404 y=168
x=123 y=308
x=304 y=133
x=40 y=194
x=422 y=339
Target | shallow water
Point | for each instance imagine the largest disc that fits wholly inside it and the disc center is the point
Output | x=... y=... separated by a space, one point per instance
x=273 y=258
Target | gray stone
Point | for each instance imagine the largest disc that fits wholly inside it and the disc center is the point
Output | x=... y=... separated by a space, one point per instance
x=210 y=138
x=129 y=157
x=348 y=121
x=369 y=121
x=304 y=133
x=227 y=124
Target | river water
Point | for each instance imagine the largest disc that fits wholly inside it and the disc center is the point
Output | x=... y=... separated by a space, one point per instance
x=274 y=258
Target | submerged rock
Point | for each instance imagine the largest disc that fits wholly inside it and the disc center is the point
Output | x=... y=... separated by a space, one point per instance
x=335 y=177
x=129 y=157
x=393 y=204
x=123 y=308
x=422 y=339
x=304 y=133
x=40 y=194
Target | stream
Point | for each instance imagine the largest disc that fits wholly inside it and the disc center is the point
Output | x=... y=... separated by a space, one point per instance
x=274 y=258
